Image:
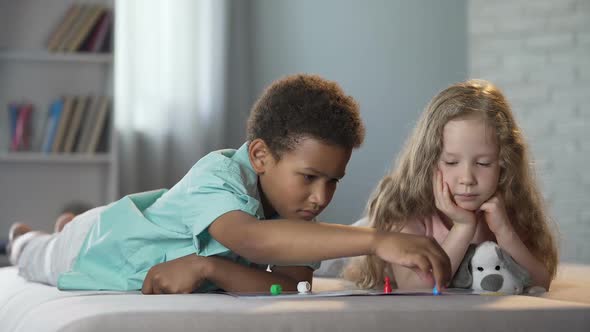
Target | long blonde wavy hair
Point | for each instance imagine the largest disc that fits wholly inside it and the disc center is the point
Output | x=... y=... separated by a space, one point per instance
x=406 y=192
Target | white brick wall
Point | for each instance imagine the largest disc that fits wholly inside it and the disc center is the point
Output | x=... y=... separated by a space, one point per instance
x=538 y=53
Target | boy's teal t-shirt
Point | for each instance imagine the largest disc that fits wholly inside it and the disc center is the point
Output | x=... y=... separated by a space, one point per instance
x=145 y=229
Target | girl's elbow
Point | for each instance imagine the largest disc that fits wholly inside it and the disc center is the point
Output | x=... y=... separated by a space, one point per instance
x=544 y=281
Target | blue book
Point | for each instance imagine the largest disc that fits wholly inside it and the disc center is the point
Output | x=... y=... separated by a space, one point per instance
x=52 y=124
x=13 y=116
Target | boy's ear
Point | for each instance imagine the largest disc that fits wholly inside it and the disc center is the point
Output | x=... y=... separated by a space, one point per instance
x=259 y=154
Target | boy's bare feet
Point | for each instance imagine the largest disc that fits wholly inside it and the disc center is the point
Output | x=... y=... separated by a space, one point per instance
x=17 y=229
x=63 y=220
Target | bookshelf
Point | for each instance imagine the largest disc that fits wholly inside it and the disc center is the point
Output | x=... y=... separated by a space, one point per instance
x=44 y=56
x=70 y=158
x=34 y=185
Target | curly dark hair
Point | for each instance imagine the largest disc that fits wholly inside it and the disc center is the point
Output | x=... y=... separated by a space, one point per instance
x=301 y=106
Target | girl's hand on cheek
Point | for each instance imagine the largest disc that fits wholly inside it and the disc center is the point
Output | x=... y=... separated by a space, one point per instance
x=482 y=231
x=444 y=202
x=495 y=215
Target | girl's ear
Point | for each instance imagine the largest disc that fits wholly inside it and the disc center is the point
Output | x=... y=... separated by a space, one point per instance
x=259 y=154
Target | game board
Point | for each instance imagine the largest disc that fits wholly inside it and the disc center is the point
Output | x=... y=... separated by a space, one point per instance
x=356 y=292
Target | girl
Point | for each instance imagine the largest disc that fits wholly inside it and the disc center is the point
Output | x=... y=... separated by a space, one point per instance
x=463 y=177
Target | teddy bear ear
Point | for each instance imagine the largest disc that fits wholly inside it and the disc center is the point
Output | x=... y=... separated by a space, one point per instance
x=516 y=270
x=463 y=277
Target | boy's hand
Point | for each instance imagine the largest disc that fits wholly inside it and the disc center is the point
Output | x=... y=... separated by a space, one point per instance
x=179 y=276
x=444 y=202
x=422 y=255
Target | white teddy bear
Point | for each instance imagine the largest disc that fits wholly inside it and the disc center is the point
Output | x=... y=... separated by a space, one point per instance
x=488 y=268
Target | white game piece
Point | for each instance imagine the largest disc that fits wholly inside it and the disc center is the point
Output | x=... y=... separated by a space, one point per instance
x=303 y=287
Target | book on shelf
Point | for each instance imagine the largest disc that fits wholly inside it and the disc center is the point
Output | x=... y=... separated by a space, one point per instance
x=74 y=27
x=52 y=125
x=87 y=124
x=59 y=34
x=84 y=27
x=105 y=139
x=93 y=13
x=100 y=130
x=73 y=129
x=99 y=38
x=12 y=118
x=20 y=115
x=22 y=134
x=64 y=121
x=74 y=124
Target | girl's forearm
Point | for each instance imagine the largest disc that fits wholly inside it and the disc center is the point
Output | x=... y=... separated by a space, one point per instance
x=233 y=277
x=457 y=242
x=513 y=245
x=455 y=245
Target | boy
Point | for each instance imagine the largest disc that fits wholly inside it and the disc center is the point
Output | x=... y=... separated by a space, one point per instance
x=235 y=208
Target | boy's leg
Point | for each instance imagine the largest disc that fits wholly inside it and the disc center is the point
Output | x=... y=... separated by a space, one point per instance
x=16 y=242
x=43 y=257
x=31 y=252
x=18 y=229
x=38 y=255
x=25 y=250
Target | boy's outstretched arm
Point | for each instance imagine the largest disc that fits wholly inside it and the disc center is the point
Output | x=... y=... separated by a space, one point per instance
x=296 y=242
x=185 y=274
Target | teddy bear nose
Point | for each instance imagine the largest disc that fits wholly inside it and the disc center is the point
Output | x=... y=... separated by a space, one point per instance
x=492 y=282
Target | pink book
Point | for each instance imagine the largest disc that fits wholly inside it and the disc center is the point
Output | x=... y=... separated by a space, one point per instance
x=22 y=139
x=99 y=32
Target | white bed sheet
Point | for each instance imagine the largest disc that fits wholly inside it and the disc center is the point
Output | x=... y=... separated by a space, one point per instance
x=33 y=307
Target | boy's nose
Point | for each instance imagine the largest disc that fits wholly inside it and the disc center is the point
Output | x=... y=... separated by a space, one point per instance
x=319 y=197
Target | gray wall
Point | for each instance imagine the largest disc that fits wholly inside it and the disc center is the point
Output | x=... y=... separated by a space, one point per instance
x=392 y=56
x=538 y=52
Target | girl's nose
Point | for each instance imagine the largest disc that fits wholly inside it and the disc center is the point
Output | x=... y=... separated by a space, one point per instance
x=467 y=178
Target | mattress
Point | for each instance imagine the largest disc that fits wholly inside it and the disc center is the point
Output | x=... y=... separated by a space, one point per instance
x=28 y=306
